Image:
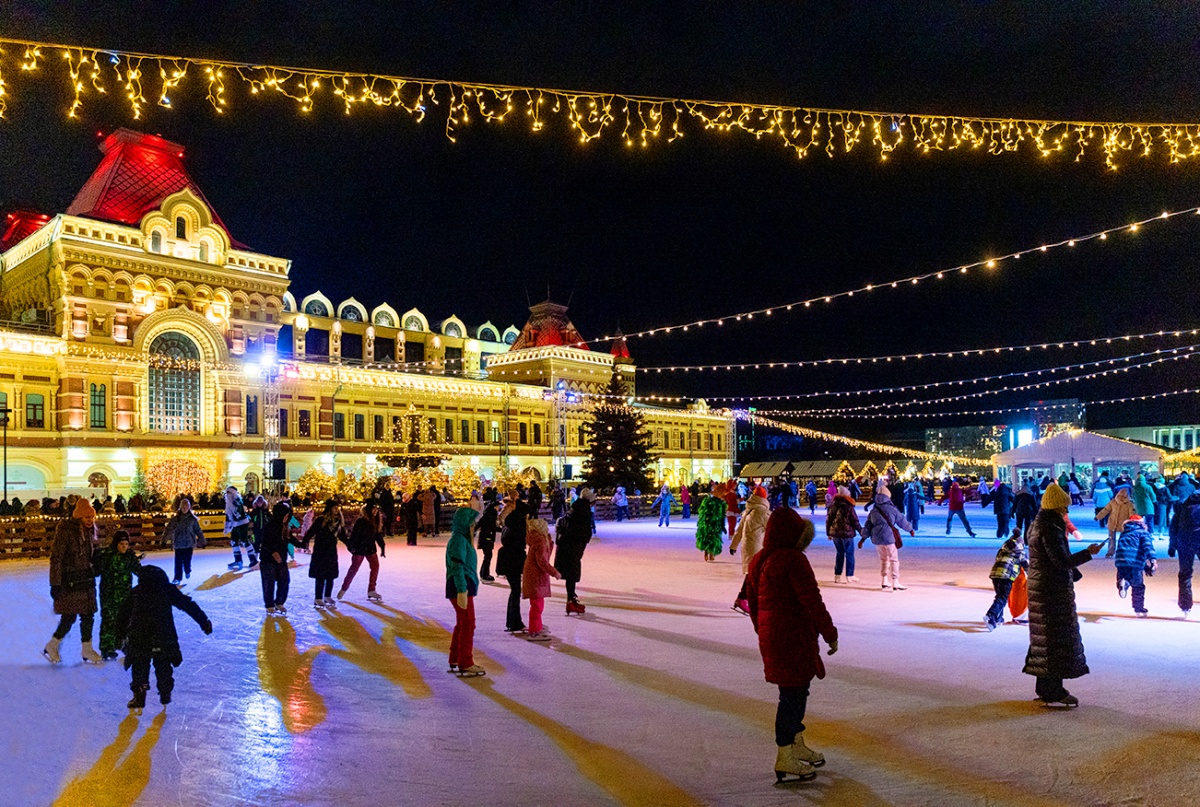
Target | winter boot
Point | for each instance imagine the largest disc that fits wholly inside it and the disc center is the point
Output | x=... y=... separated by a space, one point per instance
x=897 y=587
x=50 y=651
x=373 y=596
x=90 y=655
x=803 y=752
x=575 y=607
x=887 y=585
x=138 y=701
x=164 y=697
x=788 y=764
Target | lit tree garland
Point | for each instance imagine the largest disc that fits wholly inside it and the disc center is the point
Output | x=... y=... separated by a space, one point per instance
x=463 y=481
x=145 y=79
x=619 y=448
x=170 y=478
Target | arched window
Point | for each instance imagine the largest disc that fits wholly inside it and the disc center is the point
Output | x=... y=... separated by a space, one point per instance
x=351 y=314
x=181 y=227
x=488 y=335
x=510 y=337
x=384 y=319
x=316 y=308
x=413 y=323
x=156 y=242
x=452 y=329
x=174 y=384
x=204 y=251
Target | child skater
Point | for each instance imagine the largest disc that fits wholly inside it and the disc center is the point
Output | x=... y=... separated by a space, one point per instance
x=1012 y=557
x=149 y=627
x=462 y=584
x=323 y=568
x=116 y=564
x=535 y=579
x=1135 y=557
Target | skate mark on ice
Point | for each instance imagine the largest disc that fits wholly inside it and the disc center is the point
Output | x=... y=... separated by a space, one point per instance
x=965 y=627
x=218 y=580
x=614 y=771
x=425 y=633
x=382 y=657
x=112 y=782
x=683 y=639
x=286 y=675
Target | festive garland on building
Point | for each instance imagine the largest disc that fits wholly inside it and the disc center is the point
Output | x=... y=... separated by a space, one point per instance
x=145 y=79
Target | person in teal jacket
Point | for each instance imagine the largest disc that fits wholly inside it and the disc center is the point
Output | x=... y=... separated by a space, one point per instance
x=1143 y=501
x=462 y=584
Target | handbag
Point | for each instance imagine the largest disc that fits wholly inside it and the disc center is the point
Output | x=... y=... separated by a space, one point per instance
x=896 y=535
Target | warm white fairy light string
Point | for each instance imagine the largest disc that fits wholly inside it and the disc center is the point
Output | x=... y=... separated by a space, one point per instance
x=884 y=412
x=952 y=383
x=1191 y=350
x=982 y=351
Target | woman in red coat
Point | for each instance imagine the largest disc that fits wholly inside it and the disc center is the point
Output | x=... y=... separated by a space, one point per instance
x=788 y=614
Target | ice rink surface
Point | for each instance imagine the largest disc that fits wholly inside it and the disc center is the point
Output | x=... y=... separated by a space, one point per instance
x=654 y=697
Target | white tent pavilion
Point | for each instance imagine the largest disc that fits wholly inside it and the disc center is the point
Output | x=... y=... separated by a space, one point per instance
x=1086 y=454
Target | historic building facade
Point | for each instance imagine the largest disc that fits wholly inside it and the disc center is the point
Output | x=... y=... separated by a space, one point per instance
x=138 y=332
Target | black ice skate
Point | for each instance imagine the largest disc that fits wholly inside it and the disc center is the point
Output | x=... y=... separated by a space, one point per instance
x=138 y=702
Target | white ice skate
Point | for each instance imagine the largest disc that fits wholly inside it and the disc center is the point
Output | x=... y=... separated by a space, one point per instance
x=90 y=656
x=330 y=602
x=319 y=604
x=803 y=752
x=280 y=610
x=271 y=611
x=788 y=764
x=837 y=578
x=50 y=651
x=373 y=596
x=540 y=636
x=473 y=671
x=852 y=579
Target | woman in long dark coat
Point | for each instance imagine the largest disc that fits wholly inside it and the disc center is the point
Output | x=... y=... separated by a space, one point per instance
x=510 y=562
x=572 y=540
x=1055 y=646
x=323 y=568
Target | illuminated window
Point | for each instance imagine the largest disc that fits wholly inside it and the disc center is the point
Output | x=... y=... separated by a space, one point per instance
x=495 y=432
x=385 y=319
x=99 y=406
x=35 y=411
x=251 y=414
x=180 y=227
x=304 y=423
x=156 y=242
x=452 y=329
x=174 y=388
x=204 y=251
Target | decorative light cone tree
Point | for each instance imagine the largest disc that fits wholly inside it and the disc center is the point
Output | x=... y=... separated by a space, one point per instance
x=620 y=448
x=845 y=472
x=413 y=443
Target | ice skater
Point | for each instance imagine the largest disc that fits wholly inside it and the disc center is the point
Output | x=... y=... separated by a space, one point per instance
x=1185 y=540
x=361 y=543
x=573 y=534
x=1135 y=558
x=462 y=584
x=1055 y=646
x=325 y=533
x=510 y=561
x=273 y=567
x=788 y=615
x=486 y=538
x=116 y=565
x=535 y=577
x=73 y=581
x=1113 y=516
x=842 y=527
x=749 y=536
x=710 y=523
x=237 y=527
x=957 y=503
x=183 y=533
x=1012 y=557
x=883 y=527
x=663 y=503
x=148 y=626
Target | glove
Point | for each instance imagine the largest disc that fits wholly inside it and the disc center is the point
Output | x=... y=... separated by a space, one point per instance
x=207 y=628
x=55 y=591
x=461 y=599
x=832 y=648
x=732 y=551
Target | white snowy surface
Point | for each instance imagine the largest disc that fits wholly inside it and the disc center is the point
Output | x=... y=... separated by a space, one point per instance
x=654 y=697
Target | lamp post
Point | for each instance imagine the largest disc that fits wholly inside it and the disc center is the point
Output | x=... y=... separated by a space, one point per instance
x=4 y=413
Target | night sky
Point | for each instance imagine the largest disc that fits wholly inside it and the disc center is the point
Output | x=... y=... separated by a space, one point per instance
x=378 y=207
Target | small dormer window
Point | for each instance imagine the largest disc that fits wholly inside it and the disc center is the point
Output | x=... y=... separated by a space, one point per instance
x=156 y=244
x=181 y=228
x=204 y=251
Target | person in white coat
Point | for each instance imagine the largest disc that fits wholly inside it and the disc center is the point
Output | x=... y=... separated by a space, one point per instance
x=749 y=536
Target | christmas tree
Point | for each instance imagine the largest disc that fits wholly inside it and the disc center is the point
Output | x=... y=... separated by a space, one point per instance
x=619 y=445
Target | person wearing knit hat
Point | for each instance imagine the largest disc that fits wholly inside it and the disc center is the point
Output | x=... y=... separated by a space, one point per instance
x=1134 y=559
x=1114 y=515
x=1055 y=646
x=710 y=523
x=73 y=580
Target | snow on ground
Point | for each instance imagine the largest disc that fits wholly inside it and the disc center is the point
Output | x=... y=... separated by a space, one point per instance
x=655 y=697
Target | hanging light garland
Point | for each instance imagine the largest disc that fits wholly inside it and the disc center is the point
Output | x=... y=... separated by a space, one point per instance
x=954 y=383
x=1191 y=350
x=882 y=448
x=146 y=79
x=884 y=412
x=986 y=351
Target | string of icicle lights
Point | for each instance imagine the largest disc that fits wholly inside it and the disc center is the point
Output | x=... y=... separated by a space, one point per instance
x=984 y=351
x=953 y=383
x=146 y=79
x=884 y=412
x=1190 y=351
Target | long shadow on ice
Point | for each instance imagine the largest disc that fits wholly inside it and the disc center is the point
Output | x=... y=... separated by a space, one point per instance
x=286 y=675
x=682 y=639
x=380 y=657
x=425 y=633
x=965 y=627
x=113 y=782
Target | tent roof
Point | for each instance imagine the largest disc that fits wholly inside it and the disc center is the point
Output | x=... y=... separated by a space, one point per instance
x=1083 y=446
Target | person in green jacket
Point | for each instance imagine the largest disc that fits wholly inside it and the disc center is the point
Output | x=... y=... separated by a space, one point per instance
x=710 y=523
x=115 y=565
x=1143 y=501
x=462 y=584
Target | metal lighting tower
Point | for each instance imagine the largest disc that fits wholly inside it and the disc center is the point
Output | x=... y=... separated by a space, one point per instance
x=561 y=399
x=731 y=444
x=271 y=445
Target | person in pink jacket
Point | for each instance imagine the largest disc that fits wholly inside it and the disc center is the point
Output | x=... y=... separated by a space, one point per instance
x=535 y=577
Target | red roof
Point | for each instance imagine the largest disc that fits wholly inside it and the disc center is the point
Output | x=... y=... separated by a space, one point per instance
x=620 y=349
x=19 y=225
x=548 y=325
x=137 y=172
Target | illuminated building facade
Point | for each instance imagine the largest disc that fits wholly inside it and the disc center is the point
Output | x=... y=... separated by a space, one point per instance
x=139 y=332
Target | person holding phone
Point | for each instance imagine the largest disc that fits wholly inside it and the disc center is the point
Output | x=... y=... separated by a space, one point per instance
x=1055 y=646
